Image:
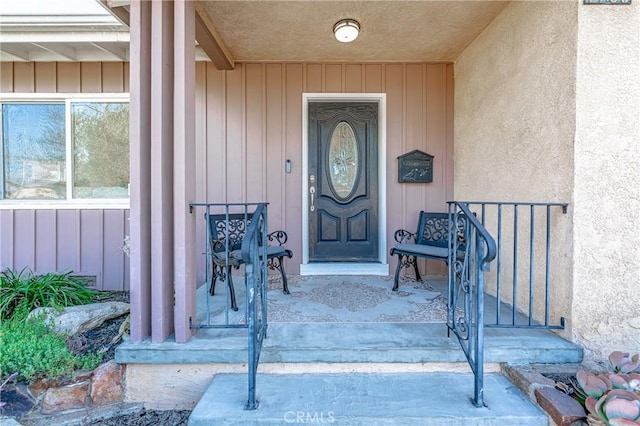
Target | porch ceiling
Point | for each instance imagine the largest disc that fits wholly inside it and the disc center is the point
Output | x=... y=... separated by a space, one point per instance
x=265 y=30
x=299 y=30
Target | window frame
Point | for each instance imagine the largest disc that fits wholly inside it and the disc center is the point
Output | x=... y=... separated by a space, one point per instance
x=69 y=202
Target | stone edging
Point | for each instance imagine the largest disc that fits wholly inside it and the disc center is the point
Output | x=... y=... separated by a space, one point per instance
x=562 y=409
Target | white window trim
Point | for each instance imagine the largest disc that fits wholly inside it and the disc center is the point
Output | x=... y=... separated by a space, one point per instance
x=62 y=97
x=67 y=99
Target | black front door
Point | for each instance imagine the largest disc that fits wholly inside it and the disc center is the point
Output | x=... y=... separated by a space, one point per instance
x=343 y=182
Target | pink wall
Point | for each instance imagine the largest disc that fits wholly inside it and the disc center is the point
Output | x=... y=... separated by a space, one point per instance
x=87 y=241
x=64 y=77
x=249 y=121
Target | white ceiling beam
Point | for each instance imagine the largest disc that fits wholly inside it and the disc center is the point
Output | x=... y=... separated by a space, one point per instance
x=117 y=3
x=18 y=54
x=38 y=21
x=64 y=51
x=119 y=9
x=119 y=52
x=63 y=37
x=211 y=42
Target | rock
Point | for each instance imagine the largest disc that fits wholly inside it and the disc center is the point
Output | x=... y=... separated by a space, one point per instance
x=526 y=379
x=17 y=399
x=66 y=397
x=8 y=421
x=81 y=318
x=40 y=386
x=563 y=409
x=106 y=385
x=81 y=375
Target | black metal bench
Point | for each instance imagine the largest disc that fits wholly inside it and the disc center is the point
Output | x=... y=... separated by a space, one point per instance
x=235 y=225
x=430 y=241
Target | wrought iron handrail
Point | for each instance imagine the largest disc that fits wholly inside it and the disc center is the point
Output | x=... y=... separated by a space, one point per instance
x=254 y=255
x=519 y=293
x=484 y=233
x=254 y=258
x=471 y=250
x=226 y=210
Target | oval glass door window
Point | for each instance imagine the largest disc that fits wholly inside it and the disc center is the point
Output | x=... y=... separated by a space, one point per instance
x=343 y=160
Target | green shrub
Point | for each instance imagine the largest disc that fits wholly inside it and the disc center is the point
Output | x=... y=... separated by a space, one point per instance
x=29 y=347
x=22 y=292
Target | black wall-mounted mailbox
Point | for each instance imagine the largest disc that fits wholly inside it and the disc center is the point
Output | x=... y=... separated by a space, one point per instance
x=415 y=167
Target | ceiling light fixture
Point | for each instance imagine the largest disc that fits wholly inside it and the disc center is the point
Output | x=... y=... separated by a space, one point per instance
x=346 y=30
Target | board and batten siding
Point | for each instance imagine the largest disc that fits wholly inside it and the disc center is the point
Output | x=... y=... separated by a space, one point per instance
x=249 y=122
x=86 y=241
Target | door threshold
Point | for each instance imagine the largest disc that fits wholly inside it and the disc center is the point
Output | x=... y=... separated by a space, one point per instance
x=344 y=268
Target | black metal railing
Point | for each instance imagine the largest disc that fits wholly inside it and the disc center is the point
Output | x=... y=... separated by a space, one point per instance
x=529 y=240
x=235 y=238
x=254 y=255
x=471 y=250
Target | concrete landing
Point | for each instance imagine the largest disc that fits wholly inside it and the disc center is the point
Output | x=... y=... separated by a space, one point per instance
x=365 y=399
x=354 y=342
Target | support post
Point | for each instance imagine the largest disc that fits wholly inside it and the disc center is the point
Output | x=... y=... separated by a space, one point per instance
x=162 y=141
x=184 y=179
x=140 y=166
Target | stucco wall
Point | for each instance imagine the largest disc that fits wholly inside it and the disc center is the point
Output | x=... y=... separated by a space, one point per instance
x=514 y=125
x=606 y=305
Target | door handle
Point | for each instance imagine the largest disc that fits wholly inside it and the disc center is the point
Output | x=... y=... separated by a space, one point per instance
x=312 y=191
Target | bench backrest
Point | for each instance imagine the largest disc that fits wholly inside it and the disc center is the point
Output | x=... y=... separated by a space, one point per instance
x=433 y=229
x=236 y=224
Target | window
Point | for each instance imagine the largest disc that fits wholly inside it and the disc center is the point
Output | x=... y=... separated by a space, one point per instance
x=67 y=149
x=34 y=151
x=100 y=140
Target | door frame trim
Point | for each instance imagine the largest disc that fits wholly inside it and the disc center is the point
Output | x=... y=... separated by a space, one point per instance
x=348 y=268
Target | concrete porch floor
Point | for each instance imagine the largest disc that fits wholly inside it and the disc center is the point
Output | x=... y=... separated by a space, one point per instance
x=355 y=342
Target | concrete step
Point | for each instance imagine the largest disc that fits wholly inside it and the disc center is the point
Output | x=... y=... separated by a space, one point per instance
x=365 y=399
x=356 y=343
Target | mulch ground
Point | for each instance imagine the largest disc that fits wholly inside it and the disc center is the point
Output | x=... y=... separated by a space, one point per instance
x=101 y=340
x=147 y=418
x=565 y=382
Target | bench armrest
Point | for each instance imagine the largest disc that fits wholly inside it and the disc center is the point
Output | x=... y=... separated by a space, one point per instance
x=403 y=236
x=218 y=247
x=278 y=236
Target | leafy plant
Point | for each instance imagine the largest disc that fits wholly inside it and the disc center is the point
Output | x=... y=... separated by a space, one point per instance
x=612 y=398
x=622 y=363
x=30 y=347
x=22 y=292
x=591 y=385
x=617 y=407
